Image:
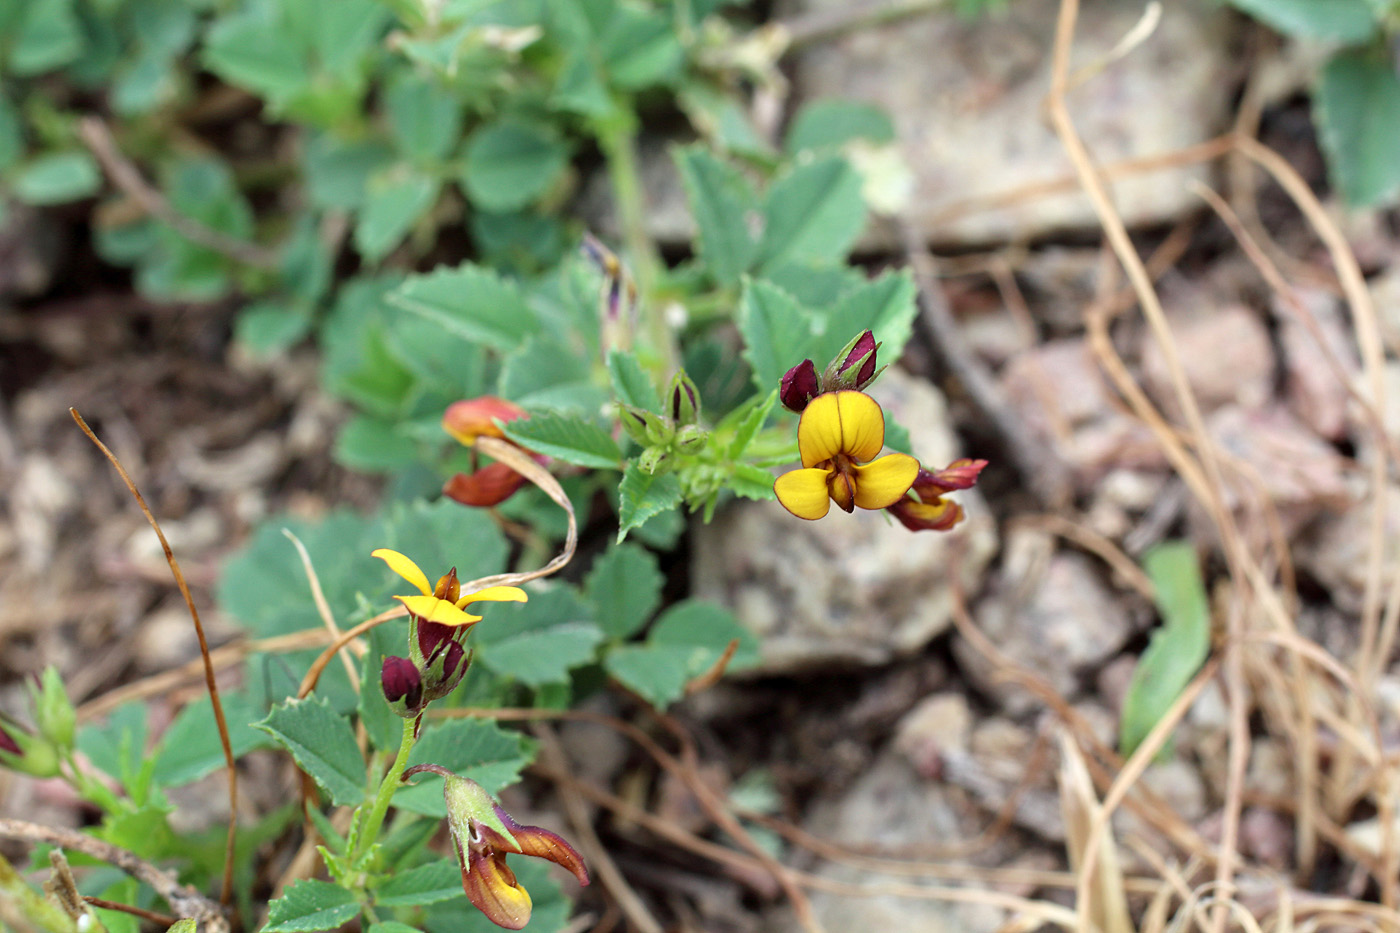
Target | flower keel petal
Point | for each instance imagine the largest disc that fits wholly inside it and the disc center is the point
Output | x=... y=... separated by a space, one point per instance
x=804 y=492
x=492 y=888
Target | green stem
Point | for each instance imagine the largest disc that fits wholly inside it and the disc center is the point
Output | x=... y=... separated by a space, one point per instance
x=375 y=819
x=617 y=137
x=31 y=905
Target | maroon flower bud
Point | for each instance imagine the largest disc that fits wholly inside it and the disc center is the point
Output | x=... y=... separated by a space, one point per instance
x=799 y=386
x=854 y=367
x=431 y=635
x=8 y=744
x=403 y=686
x=682 y=400
x=445 y=670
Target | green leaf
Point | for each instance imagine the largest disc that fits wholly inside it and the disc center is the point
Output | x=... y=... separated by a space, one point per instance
x=393 y=926
x=426 y=119
x=191 y=749
x=394 y=204
x=1346 y=21
x=884 y=305
x=721 y=200
x=639 y=48
x=641 y=496
x=776 y=330
x=1178 y=648
x=814 y=285
x=687 y=641
x=252 y=51
x=311 y=905
x=472 y=748
x=566 y=438
x=183 y=926
x=814 y=213
x=427 y=884
x=630 y=383
x=829 y=124
x=538 y=642
x=750 y=423
x=472 y=302
x=511 y=162
x=543 y=372
x=624 y=586
x=323 y=744
x=49 y=36
x=374 y=445
x=1358 y=111
x=338 y=171
x=751 y=482
x=266 y=328
x=57 y=178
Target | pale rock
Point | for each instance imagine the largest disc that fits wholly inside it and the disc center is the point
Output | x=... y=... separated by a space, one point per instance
x=1335 y=552
x=849 y=589
x=1180 y=785
x=891 y=808
x=1059 y=621
x=1058 y=392
x=1267 y=836
x=1319 y=356
x=939 y=723
x=1003 y=747
x=967 y=96
x=1271 y=457
x=1115 y=678
x=1270 y=768
x=1225 y=356
x=1385 y=295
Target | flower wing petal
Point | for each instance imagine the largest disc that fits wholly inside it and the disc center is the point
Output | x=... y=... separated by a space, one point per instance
x=819 y=431
x=884 y=482
x=405 y=568
x=495 y=594
x=804 y=492
x=432 y=609
x=544 y=844
x=862 y=426
x=492 y=888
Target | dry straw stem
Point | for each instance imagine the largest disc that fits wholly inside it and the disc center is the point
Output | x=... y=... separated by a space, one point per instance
x=323 y=608
x=1108 y=908
x=98 y=138
x=226 y=889
x=184 y=900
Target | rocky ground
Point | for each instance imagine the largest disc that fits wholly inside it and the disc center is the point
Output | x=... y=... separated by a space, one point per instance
x=910 y=711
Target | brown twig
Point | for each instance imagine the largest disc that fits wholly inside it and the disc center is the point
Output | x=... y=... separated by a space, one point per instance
x=127 y=177
x=226 y=890
x=186 y=901
x=163 y=919
x=1038 y=465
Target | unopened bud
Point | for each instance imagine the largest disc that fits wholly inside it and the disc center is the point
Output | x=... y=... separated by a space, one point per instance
x=682 y=400
x=27 y=753
x=445 y=670
x=655 y=460
x=799 y=386
x=55 y=714
x=647 y=428
x=403 y=686
x=691 y=439
x=854 y=367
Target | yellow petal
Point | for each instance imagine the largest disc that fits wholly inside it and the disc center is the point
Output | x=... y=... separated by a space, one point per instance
x=884 y=482
x=432 y=609
x=492 y=888
x=405 y=568
x=803 y=492
x=496 y=594
x=862 y=425
x=840 y=422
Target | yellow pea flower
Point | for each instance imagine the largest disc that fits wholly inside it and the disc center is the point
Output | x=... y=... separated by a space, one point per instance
x=840 y=437
x=443 y=606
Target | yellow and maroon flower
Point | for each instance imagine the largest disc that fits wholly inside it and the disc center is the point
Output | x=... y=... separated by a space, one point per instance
x=840 y=437
x=483 y=834
x=444 y=604
x=931 y=511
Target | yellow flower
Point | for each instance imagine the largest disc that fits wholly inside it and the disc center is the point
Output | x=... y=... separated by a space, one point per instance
x=444 y=605
x=839 y=437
